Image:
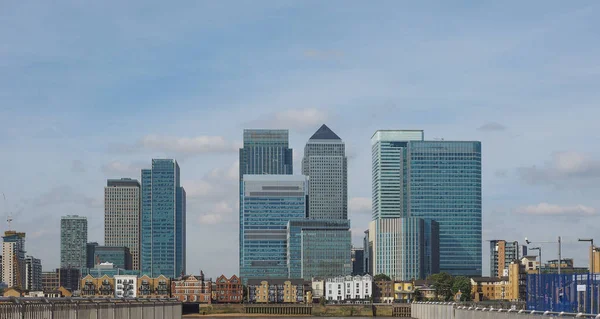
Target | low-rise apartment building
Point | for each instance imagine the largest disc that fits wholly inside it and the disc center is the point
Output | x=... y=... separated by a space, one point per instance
x=129 y=286
x=383 y=291
x=276 y=290
x=228 y=290
x=192 y=289
x=349 y=288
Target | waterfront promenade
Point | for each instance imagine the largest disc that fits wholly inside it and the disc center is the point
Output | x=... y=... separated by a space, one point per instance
x=78 y=308
x=442 y=310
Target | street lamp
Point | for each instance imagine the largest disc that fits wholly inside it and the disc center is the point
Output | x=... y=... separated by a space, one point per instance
x=591 y=240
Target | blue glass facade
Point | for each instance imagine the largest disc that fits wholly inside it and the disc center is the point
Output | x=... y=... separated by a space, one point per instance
x=163 y=220
x=268 y=203
x=445 y=186
x=120 y=257
x=319 y=248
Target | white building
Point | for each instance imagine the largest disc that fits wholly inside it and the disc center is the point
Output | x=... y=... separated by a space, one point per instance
x=349 y=288
x=318 y=287
x=125 y=286
x=13 y=259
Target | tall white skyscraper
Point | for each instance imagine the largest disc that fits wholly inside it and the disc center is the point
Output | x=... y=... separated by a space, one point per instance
x=13 y=259
x=122 y=211
x=73 y=241
x=326 y=165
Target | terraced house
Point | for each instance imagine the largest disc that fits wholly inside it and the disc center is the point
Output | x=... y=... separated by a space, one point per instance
x=192 y=289
x=275 y=290
x=228 y=290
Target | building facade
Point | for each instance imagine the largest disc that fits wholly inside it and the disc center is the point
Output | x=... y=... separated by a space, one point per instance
x=73 y=241
x=125 y=286
x=89 y=252
x=122 y=211
x=266 y=152
x=120 y=257
x=268 y=203
x=318 y=248
x=344 y=288
x=50 y=281
x=399 y=248
x=432 y=180
x=119 y=286
x=383 y=291
x=13 y=259
x=228 y=290
x=69 y=278
x=502 y=253
x=275 y=290
x=33 y=274
x=163 y=230
x=357 y=256
x=326 y=165
x=192 y=289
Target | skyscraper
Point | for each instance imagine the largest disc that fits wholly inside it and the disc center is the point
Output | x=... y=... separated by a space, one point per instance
x=502 y=253
x=358 y=261
x=13 y=259
x=432 y=180
x=122 y=209
x=266 y=152
x=268 y=203
x=163 y=220
x=33 y=274
x=73 y=241
x=325 y=164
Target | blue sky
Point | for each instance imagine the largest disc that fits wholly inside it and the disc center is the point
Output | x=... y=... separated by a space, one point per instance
x=96 y=90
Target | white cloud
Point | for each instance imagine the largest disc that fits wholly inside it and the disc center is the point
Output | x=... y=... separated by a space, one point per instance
x=65 y=195
x=556 y=210
x=118 y=168
x=220 y=212
x=492 y=127
x=298 y=119
x=360 y=205
x=563 y=167
x=185 y=145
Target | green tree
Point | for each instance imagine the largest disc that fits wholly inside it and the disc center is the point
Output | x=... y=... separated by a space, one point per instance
x=322 y=301
x=464 y=285
x=442 y=283
x=417 y=295
x=381 y=277
x=244 y=293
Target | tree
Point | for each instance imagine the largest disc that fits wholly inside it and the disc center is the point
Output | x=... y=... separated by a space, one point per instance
x=382 y=277
x=322 y=301
x=417 y=295
x=464 y=285
x=244 y=293
x=443 y=283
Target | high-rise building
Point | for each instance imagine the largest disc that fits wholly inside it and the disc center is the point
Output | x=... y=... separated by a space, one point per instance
x=398 y=247
x=358 y=261
x=326 y=166
x=268 y=203
x=69 y=278
x=432 y=180
x=266 y=152
x=120 y=257
x=318 y=248
x=502 y=253
x=13 y=259
x=33 y=274
x=163 y=220
x=73 y=241
x=90 y=250
x=122 y=209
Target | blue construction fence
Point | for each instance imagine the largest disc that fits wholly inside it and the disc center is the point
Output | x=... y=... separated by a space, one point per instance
x=565 y=292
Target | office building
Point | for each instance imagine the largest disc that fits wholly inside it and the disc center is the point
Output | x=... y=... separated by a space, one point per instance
x=357 y=256
x=33 y=274
x=266 y=152
x=122 y=210
x=163 y=231
x=90 y=258
x=318 y=248
x=268 y=203
x=13 y=259
x=368 y=252
x=502 y=253
x=120 y=257
x=399 y=248
x=69 y=278
x=432 y=180
x=326 y=166
x=73 y=241
x=50 y=281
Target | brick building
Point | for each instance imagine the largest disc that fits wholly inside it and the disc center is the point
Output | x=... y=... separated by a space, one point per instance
x=192 y=289
x=228 y=290
x=276 y=290
x=383 y=291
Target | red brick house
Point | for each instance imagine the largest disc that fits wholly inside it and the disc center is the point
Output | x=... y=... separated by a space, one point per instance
x=228 y=290
x=192 y=289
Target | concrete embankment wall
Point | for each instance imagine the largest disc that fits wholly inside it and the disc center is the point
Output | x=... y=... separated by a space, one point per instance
x=89 y=309
x=451 y=311
x=356 y=310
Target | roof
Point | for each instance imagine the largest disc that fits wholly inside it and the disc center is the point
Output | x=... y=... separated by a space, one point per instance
x=489 y=279
x=279 y=281
x=324 y=133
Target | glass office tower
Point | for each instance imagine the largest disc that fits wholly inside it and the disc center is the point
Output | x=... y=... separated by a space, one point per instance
x=319 y=248
x=163 y=220
x=73 y=241
x=432 y=180
x=268 y=203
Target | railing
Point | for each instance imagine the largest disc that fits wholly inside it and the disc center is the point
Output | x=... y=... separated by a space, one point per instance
x=445 y=310
x=93 y=308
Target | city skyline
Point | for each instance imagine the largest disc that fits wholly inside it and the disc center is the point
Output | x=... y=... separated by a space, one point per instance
x=79 y=110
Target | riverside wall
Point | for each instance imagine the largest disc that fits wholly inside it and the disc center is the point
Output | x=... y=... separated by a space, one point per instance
x=433 y=310
x=76 y=308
